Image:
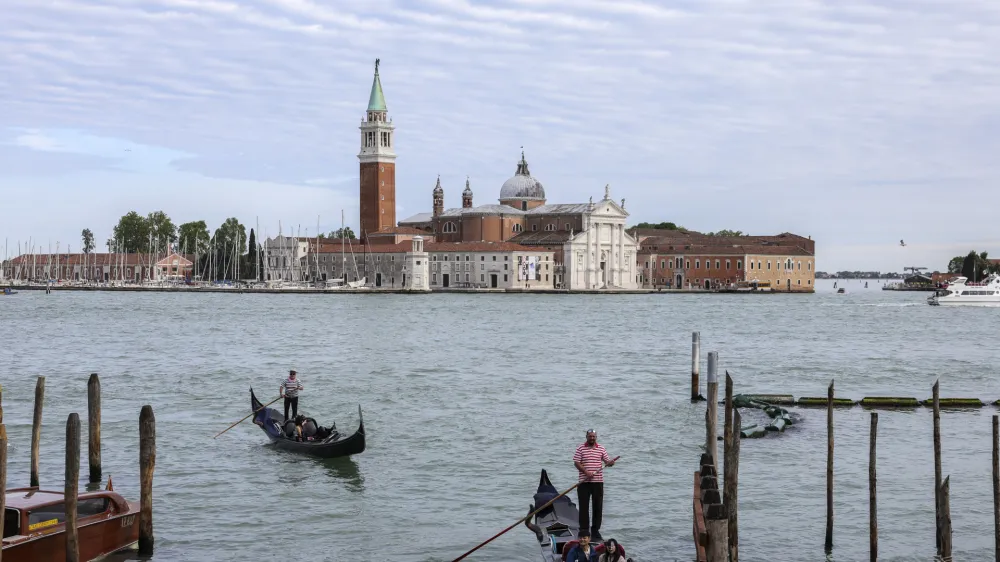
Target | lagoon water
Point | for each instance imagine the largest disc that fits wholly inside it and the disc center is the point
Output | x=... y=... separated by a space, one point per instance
x=467 y=397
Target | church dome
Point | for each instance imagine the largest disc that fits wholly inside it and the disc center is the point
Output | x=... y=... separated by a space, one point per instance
x=522 y=185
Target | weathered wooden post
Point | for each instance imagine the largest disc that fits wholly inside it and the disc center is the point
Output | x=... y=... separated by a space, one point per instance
x=3 y=477
x=695 y=365
x=36 y=428
x=72 y=486
x=872 y=504
x=717 y=530
x=94 y=427
x=946 y=519
x=829 y=468
x=712 y=421
x=730 y=499
x=147 y=462
x=1 y=403
x=996 y=486
x=937 y=464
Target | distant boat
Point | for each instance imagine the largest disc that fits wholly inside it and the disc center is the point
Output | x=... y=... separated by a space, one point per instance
x=328 y=444
x=9 y=291
x=841 y=291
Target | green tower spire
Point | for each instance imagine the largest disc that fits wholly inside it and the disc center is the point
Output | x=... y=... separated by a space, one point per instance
x=376 y=102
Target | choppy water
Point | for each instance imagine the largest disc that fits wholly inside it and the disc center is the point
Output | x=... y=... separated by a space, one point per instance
x=467 y=397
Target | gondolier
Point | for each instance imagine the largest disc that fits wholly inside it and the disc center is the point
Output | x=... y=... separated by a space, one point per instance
x=290 y=392
x=589 y=459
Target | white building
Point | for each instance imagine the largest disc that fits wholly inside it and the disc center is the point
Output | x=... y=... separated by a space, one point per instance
x=603 y=256
x=283 y=258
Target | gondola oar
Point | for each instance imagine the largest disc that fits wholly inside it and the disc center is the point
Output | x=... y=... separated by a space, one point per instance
x=248 y=415
x=525 y=518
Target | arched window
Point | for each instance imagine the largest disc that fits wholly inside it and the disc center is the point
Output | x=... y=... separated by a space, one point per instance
x=550 y=227
x=518 y=228
x=449 y=227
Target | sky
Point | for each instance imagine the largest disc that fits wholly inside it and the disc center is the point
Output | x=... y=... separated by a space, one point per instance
x=859 y=124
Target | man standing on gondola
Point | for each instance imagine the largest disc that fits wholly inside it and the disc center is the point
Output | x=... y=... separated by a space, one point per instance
x=290 y=392
x=589 y=458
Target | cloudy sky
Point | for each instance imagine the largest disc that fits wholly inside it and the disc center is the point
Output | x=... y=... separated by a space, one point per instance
x=856 y=123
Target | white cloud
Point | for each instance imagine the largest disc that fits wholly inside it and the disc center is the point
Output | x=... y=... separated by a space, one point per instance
x=850 y=121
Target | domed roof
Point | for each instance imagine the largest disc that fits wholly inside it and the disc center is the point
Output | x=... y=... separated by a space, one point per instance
x=468 y=188
x=437 y=188
x=522 y=185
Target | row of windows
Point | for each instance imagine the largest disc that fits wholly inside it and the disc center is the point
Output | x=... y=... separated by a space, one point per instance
x=384 y=139
x=450 y=227
x=448 y=257
x=482 y=277
x=675 y=263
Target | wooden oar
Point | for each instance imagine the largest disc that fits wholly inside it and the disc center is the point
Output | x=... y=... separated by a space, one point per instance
x=248 y=415
x=525 y=518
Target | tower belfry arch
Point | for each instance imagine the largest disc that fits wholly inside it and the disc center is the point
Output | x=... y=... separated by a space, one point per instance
x=377 y=160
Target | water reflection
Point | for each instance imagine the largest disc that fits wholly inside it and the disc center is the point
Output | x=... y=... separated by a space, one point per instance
x=345 y=469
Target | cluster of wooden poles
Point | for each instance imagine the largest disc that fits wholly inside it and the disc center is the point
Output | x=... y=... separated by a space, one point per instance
x=147 y=462
x=716 y=528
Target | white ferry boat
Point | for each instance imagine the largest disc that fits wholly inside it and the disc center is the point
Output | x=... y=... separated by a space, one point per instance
x=959 y=292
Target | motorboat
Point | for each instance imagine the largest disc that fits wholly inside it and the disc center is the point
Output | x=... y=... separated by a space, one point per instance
x=959 y=292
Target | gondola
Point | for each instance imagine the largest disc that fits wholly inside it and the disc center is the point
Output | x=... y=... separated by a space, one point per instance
x=557 y=525
x=326 y=443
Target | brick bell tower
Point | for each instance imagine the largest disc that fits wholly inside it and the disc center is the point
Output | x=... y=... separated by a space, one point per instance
x=378 y=165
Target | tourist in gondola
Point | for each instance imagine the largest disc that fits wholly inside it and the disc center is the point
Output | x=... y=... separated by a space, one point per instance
x=612 y=552
x=582 y=552
x=589 y=458
x=290 y=392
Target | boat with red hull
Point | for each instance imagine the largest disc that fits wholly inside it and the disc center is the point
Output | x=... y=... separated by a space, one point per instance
x=35 y=525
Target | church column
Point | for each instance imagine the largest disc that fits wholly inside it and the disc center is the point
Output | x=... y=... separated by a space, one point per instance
x=625 y=269
x=586 y=254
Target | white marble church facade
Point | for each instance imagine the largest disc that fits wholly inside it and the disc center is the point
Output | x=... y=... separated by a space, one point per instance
x=603 y=255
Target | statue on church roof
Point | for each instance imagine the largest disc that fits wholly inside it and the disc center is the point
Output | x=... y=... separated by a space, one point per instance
x=376 y=65
x=623 y=203
x=607 y=191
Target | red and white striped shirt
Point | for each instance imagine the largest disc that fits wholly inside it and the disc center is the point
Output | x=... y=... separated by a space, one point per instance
x=592 y=458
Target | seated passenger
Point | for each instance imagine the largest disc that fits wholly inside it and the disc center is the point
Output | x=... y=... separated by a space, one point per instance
x=582 y=552
x=612 y=552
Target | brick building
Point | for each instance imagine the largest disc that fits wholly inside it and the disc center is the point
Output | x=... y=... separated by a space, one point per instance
x=130 y=268
x=686 y=259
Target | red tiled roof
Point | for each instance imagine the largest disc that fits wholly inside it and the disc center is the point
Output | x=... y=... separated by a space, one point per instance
x=406 y=246
x=42 y=260
x=397 y=230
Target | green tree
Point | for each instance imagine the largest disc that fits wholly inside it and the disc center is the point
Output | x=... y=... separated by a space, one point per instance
x=194 y=237
x=955 y=265
x=162 y=229
x=132 y=233
x=659 y=226
x=88 y=240
x=727 y=233
x=250 y=261
x=344 y=232
x=229 y=242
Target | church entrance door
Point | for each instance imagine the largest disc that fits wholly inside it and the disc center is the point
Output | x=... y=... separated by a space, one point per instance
x=680 y=281
x=378 y=279
x=493 y=280
x=445 y=280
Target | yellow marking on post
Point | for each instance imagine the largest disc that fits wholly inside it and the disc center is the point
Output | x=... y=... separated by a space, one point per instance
x=43 y=524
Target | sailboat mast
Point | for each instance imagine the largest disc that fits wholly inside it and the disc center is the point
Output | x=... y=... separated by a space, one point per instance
x=343 y=260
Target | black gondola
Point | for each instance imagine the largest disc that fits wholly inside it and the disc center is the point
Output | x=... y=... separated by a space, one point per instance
x=326 y=443
x=557 y=525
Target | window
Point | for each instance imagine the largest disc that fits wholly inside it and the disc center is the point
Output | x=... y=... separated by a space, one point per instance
x=434 y=277
x=687 y=264
x=449 y=227
x=494 y=258
x=697 y=264
x=568 y=227
x=505 y=278
x=11 y=523
x=788 y=264
x=550 y=227
x=517 y=228
x=505 y=267
x=717 y=264
x=769 y=265
x=546 y=276
x=524 y=207
x=482 y=278
x=46 y=516
x=800 y=266
x=663 y=264
x=418 y=262
x=482 y=258
x=91 y=506
x=809 y=265
x=728 y=264
x=506 y=258
x=466 y=277
x=466 y=257
x=647 y=264
x=482 y=266
x=534 y=227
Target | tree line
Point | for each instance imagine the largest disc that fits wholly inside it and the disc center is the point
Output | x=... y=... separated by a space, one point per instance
x=973 y=266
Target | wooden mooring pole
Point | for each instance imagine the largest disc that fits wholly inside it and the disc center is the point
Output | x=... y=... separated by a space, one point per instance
x=94 y=427
x=712 y=409
x=36 y=429
x=937 y=465
x=730 y=498
x=946 y=520
x=828 y=544
x=695 y=366
x=996 y=486
x=147 y=462
x=872 y=503
x=72 y=486
x=3 y=478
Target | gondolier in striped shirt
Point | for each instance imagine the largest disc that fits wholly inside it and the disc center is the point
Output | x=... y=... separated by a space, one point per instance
x=290 y=392
x=589 y=459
